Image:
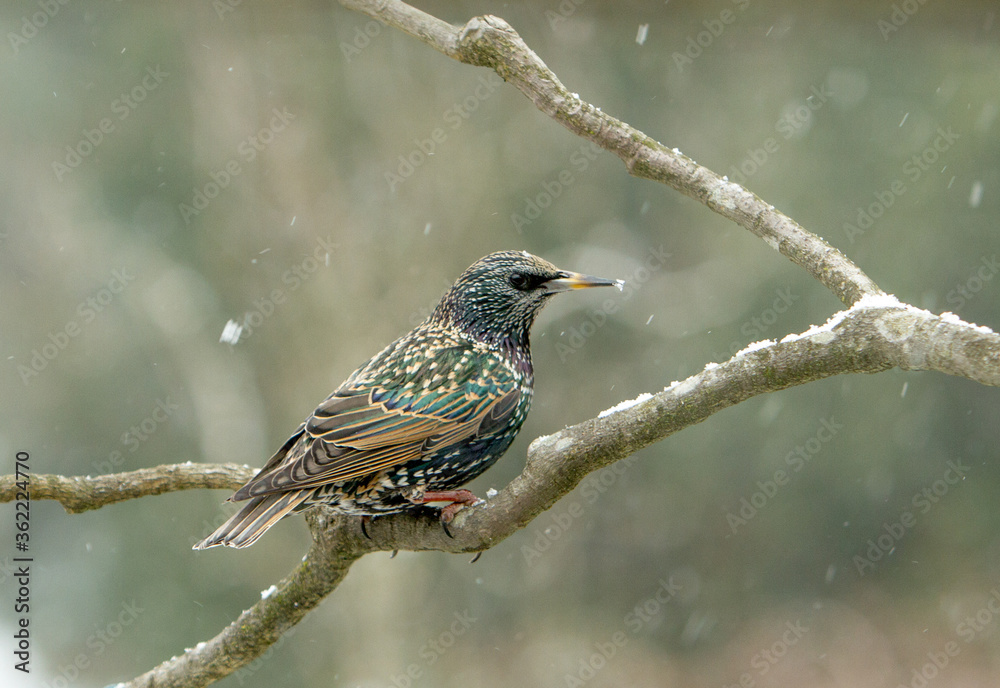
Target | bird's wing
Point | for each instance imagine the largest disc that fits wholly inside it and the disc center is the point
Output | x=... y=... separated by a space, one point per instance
x=374 y=425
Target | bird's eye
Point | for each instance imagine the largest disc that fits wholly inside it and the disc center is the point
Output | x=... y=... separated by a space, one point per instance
x=518 y=281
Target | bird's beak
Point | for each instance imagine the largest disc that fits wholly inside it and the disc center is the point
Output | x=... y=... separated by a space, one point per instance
x=574 y=280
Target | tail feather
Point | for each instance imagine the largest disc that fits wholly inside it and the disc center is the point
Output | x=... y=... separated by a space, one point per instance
x=254 y=519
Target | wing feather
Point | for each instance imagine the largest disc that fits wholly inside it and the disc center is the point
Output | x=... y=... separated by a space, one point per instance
x=372 y=426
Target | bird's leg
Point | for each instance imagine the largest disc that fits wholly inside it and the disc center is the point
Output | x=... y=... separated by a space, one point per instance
x=456 y=498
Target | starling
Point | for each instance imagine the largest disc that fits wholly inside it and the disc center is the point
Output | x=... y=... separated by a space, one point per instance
x=427 y=414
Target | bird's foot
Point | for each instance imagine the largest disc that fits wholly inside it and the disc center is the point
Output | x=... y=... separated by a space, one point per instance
x=456 y=500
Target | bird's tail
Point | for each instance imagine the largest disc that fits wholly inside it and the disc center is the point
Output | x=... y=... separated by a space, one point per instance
x=253 y=520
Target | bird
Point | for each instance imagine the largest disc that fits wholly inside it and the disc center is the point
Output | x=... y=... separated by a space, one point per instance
x=422 y=417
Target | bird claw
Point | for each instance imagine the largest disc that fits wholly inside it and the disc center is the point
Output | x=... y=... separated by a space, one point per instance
x=457 y=499
x=365 y=520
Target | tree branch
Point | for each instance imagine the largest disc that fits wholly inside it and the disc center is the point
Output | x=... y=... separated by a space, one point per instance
x=877 y=333
x=78 y=494
x=491 y=42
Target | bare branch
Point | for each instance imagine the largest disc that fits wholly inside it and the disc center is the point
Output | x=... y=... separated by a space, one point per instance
x=491 y=42
x=80 y=493
x=436 y=33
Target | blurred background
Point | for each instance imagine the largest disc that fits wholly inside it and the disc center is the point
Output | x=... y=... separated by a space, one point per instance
x=320 y=179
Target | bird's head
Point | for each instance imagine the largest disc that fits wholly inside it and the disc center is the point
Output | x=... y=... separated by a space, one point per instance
x=499 y=295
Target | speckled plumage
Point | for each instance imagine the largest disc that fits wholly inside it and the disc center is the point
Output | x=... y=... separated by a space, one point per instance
x=427 y=414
